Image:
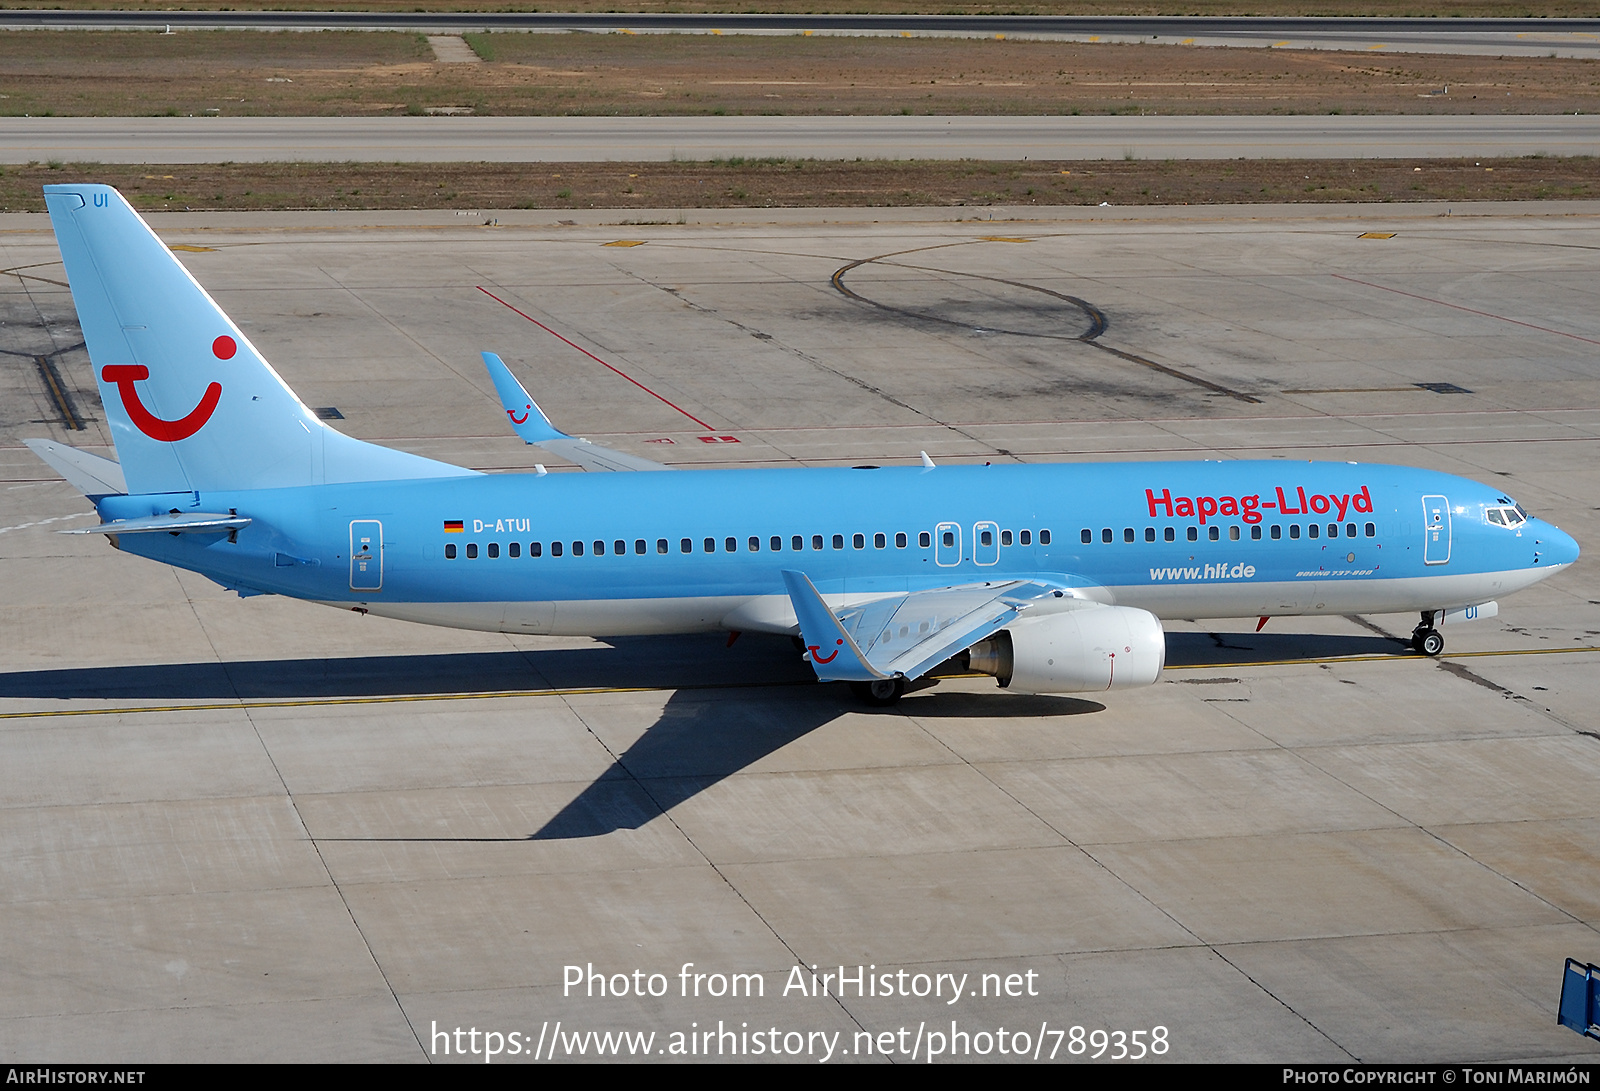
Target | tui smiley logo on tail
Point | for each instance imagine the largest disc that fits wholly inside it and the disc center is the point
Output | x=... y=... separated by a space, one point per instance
x=526 y=411
x=123 y=376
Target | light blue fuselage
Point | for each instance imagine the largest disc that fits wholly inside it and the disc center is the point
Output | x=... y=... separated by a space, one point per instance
x=1378 y=544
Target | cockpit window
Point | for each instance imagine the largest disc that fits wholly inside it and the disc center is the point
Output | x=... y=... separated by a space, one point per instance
x=1512 y=516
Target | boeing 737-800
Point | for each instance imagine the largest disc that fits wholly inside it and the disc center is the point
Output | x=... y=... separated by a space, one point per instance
x=1052 y=578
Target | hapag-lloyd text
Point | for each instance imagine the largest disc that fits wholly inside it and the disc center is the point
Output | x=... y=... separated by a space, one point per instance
x=1249 y=508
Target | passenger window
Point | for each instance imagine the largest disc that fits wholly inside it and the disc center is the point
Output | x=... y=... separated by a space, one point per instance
x=879 y=541
x=730 y=545
x=859 y=541
x=924 y=539
x=1005 y=537
x=1255 y=533
x=577 y=549
x=1312 y=530
x=1349 y=530
x=661 y=545
x=755 y=544
x=776 y=543
x=1026 y=537
x=1233 y=534
x=1277 y=532
x=1194 y=534
x=816 y=541
x=472 y=551
x=494 y=549
x=1044 y=537
x=710 y=545
x=1087 y=536
x=1149 y=534
x=686 y=545
x=1216 y=532
x=948 y=538
x=1372 y=530
x=619 y=547
x=599 y=549
x=1170 y=534
x=1105 y=534
x=900 y=540
x=514 y=549
x=1333 y=530
x=535 y=549
x=797 y=543
x=838 y=541
x=1294 y=530
x=555 y=549
x=986 y=538
x=450 y=551
x=1127 y=534
x=639 y=547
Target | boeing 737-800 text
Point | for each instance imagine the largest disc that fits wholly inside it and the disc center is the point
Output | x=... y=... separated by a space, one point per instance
x=1052 y=578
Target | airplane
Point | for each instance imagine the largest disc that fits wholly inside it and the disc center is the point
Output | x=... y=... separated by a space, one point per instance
x=1051 y=578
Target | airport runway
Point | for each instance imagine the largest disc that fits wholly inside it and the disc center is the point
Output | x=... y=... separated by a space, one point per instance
x=661 y=139
x=1494 y=37
x=265 y=830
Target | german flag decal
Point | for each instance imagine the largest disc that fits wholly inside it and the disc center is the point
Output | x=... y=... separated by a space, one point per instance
x=454 y=526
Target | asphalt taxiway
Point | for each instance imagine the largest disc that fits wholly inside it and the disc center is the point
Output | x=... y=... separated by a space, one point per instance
x=666 y=139
x=264 y=830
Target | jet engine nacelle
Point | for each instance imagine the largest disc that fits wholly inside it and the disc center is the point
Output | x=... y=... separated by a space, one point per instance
x=1076 y=651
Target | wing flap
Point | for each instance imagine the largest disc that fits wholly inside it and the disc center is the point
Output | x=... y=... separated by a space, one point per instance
x=905 y=635
x=535 y=429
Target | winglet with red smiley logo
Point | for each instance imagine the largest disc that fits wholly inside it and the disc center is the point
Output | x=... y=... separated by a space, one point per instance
x=527 y=419
x=834 y=655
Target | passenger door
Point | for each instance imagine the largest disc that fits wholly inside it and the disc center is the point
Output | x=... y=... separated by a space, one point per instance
x=366 y=555
x=1436 y=530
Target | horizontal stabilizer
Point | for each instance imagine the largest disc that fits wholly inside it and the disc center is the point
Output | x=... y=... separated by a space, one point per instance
x=189 y=521
x=534 y=428
x=89 y=474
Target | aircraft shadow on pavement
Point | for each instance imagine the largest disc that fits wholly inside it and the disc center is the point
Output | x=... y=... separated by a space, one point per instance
x=704 y=737
x=649 y=662
x=1224 y=649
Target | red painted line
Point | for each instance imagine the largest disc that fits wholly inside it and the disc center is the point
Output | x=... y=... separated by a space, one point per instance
x=1469 y=310
x=596 y=359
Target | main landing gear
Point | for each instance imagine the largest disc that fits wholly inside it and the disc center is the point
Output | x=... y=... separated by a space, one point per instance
x=880 y=692
x=1425 y=639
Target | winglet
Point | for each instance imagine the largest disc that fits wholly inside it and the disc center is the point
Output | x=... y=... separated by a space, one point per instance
x=820 y=628
x=527 y=419
x=535 y=428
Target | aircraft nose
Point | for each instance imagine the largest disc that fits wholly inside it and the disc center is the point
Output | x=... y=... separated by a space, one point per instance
x=1556 y=547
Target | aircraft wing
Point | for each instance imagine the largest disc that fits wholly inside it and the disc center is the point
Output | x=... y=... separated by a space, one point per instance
x=89 y=474
x=530 y=423
x=905 y=635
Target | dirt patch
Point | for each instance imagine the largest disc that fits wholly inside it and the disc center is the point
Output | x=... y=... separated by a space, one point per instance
x=308 y=74
x=809 y=183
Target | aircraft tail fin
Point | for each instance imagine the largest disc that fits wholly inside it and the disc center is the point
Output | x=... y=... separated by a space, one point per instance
x=191 y=403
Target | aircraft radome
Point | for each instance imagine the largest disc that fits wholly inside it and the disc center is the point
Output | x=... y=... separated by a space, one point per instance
x=1052 y=578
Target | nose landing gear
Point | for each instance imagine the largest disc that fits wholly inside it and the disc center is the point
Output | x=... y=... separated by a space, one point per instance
x=1425 y=639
